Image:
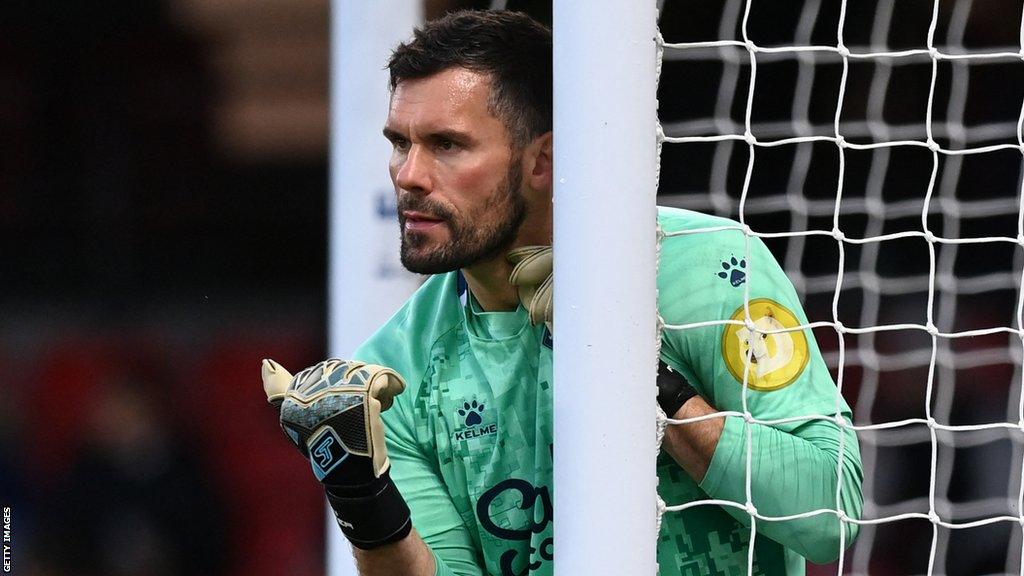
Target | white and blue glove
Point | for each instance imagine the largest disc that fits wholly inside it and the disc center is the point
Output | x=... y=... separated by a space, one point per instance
x=331 y=412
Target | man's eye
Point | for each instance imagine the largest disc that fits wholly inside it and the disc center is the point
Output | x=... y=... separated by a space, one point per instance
x=400 y=143
x=445 y=144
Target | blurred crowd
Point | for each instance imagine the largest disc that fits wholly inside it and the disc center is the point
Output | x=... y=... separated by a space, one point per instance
x=150 y=263
x=128 y=455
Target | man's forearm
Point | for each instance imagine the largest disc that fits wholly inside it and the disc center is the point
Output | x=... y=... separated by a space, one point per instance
x=409 y=556
x=692 y=445
x=792 y=473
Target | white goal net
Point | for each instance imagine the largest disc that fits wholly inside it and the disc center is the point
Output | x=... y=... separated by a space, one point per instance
x=876 y=146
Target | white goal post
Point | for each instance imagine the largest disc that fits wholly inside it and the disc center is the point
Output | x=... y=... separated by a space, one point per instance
x=606 y=331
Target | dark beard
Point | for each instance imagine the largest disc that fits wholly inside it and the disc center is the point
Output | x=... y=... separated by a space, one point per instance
x=469 y=243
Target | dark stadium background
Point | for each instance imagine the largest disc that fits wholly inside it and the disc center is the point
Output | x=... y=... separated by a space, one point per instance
x=163 y=198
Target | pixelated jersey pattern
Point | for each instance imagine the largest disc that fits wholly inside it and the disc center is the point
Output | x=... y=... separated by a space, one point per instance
x=496 y=460
x=498 y=472
x=705 y=538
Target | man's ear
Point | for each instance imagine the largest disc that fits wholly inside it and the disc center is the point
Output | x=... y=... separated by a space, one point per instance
x=541 y=166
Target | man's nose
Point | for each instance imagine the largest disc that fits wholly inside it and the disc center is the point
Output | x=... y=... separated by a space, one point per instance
x=414 y=173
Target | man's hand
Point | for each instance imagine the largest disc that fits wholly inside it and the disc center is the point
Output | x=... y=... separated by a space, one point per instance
x=331 y=412
x=531 y=275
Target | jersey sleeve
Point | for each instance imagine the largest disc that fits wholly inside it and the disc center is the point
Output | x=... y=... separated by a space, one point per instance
x=433 y=513
x=774 y=371
x=413 y=458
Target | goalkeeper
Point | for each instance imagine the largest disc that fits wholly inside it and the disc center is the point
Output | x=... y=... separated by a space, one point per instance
x=435 y=445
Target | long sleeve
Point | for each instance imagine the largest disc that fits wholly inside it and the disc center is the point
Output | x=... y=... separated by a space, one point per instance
x=734 y=331
x=433 y=513
x=791 y=473
x=469 y=439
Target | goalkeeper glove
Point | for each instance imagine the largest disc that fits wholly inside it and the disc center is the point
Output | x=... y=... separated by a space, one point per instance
x=531 y=274
x=331 y=412
x=673 y=389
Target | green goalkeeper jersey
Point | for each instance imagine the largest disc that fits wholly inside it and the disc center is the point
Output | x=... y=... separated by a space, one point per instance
x=470 y=440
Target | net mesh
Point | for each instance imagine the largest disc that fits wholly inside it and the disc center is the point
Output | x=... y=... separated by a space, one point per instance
x=877 y=148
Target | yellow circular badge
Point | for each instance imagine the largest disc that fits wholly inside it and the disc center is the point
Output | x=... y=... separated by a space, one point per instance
x=773 y=361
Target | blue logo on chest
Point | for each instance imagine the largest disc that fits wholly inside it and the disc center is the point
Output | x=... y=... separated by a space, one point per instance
x=471 y=416
x=471 y=412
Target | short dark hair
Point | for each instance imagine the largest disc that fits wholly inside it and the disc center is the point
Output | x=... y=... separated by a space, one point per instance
x=512 y=48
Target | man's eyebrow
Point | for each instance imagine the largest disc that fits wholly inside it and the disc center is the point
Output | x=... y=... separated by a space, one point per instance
x=392 y=135
x=455 y=135
x=447 y=134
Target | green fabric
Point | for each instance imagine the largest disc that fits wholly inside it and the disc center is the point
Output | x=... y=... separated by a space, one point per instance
x=470 y=439
x=794 y=465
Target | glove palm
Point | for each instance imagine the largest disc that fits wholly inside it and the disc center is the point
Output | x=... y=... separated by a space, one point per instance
x=532 y=276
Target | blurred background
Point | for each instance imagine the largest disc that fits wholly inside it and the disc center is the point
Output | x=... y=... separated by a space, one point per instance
x=163 y=188
x=163 y=226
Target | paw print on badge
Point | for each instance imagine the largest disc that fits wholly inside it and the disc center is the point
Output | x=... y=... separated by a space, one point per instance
x=471 y=412
x=734 y=271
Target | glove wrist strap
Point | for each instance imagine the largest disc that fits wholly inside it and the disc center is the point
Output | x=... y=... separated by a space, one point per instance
x=371 y=515
x=673 y=390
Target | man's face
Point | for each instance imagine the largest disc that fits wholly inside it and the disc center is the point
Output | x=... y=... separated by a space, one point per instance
x=457 y=176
